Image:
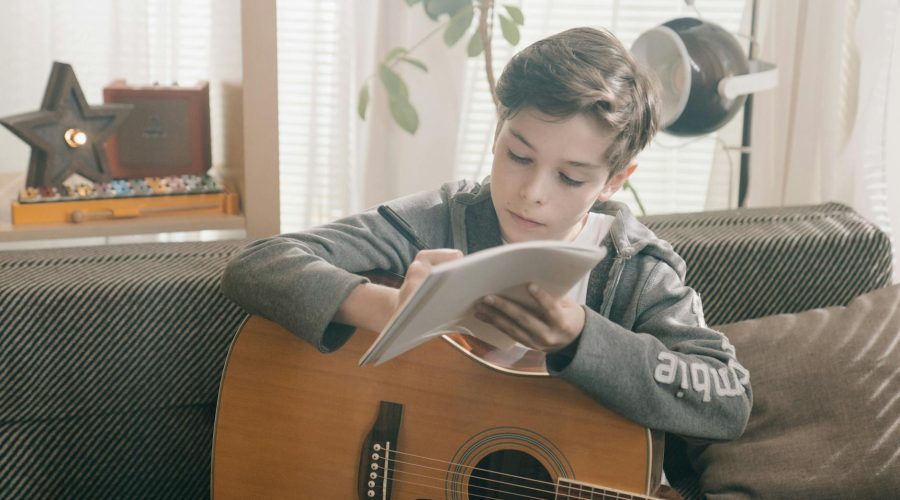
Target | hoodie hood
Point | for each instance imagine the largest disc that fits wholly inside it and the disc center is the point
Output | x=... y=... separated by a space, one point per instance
x=630 y=237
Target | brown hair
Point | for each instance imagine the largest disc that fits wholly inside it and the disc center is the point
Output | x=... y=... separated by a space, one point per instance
x=585 y=70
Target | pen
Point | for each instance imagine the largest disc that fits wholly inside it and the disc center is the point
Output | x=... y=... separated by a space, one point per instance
x=402 y=226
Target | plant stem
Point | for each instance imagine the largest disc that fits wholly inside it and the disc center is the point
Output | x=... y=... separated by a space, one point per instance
x=416 y=45
x=484 y=28
x=429 y=35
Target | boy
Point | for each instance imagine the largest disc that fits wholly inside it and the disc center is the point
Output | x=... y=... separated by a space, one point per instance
x=575 y=111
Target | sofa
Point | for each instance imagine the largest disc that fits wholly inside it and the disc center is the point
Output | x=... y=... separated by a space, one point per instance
x=111 y=356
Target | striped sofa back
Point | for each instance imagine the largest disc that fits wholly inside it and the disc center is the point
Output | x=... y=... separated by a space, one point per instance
x=751 y=263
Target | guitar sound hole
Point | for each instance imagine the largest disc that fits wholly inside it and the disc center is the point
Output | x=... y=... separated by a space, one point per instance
x=510 y=475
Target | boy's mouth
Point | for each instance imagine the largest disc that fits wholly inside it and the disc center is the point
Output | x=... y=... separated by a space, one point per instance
x=524 y=220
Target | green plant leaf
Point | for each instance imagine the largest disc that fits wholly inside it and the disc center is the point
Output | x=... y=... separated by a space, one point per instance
x=415 y=62
x=475 y=46
x=412 y=2
x=516 y=14
x=510 y=30
x=404 y=114
x=393 y=83
x=458 y=26
x=394 y=53
x=431 y=8
x=362 y=102
x=435 y=8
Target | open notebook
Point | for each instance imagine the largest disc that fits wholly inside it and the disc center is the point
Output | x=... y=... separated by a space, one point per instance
x=444 y=303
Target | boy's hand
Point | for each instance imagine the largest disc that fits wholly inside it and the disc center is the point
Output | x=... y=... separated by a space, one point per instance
x=555 y=324
x=370 y=306
x=420 y=268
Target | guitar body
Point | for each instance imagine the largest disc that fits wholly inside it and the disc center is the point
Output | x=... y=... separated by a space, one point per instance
x=293 y=423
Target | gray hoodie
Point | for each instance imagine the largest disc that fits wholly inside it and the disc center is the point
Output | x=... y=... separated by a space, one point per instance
x=645 y=351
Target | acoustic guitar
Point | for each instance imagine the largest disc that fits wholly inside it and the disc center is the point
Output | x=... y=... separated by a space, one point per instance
x=450 y=419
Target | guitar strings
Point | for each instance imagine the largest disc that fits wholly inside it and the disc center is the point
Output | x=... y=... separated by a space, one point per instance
x=455 y=483
x=552 y=485
x=513 y=476
x=557 y=495
x=460 y=482
x=472 y=467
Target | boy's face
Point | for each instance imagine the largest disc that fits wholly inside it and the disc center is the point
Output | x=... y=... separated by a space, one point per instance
x=547 y=173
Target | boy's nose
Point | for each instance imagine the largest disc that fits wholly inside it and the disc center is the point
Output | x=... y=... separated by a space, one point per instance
x=534 y=190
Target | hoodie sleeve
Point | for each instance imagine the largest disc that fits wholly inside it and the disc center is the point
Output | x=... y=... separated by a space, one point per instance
x=671 y=372
x=299 y=280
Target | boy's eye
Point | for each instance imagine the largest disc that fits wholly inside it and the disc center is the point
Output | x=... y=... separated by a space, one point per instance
x=516 y=158
x=569 y=181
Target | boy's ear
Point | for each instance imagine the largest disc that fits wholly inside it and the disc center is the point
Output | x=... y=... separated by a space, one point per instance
x=615 y=182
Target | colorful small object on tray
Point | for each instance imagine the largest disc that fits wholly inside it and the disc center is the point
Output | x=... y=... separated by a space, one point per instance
x=123 y=188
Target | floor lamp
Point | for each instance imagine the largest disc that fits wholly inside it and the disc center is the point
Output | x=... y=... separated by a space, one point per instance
x=705 y=78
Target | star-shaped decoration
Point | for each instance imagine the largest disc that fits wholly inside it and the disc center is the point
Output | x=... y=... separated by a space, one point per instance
x=67 y=134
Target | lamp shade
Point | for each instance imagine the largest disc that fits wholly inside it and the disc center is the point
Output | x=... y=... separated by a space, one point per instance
x=703 y=72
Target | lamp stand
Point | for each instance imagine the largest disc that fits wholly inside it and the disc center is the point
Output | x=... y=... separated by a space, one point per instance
x=744 y=175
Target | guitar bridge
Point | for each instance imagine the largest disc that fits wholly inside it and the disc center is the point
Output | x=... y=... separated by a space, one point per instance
x=376 y=469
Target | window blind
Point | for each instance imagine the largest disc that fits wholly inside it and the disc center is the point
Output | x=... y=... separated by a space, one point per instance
x=315 y=137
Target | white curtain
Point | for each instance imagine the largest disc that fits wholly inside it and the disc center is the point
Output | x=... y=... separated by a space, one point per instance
x=333 y=163
x=892 y=132
x=822 y=134
x=399 y=163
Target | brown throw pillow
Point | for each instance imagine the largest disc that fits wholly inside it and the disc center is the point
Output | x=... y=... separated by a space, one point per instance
x=826 y=409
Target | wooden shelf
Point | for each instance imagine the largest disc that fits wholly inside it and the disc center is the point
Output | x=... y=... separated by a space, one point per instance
x=9 y=232
x=10 y=183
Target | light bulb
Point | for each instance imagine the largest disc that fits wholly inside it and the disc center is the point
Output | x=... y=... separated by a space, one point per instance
x=75 y=138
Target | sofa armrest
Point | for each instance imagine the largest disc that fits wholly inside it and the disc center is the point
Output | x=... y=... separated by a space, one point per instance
x=111 y=359
x=750 y=263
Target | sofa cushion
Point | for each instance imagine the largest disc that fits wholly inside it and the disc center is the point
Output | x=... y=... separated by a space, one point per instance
x=826 y=414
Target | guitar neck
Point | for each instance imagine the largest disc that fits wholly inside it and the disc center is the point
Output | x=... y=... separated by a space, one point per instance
x=570 y=489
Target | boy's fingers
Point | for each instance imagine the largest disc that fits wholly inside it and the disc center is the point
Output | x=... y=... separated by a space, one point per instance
x=426 y=259
x=516 y=313
x=503 y=323
x=543 y=298
x=547 y=302
x=418 y=269
x=438 y=255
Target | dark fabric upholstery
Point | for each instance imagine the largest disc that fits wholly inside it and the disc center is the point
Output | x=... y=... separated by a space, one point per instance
x=757 y=262
x=111 y=359
x=825 y=421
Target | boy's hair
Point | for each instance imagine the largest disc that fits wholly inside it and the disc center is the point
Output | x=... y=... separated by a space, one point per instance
x=585 y=70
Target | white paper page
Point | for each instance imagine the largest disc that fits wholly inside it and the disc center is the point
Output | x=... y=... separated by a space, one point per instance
x=449 y=293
